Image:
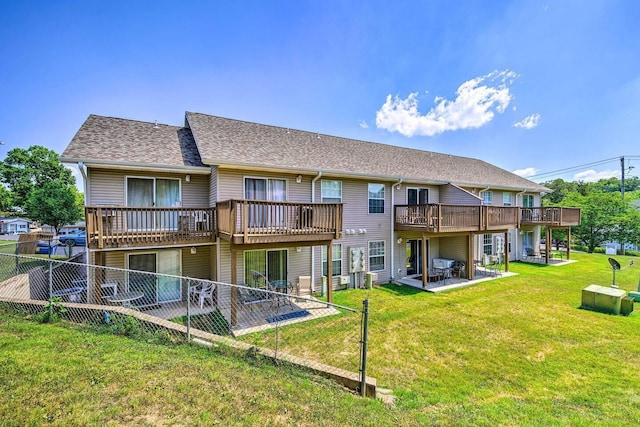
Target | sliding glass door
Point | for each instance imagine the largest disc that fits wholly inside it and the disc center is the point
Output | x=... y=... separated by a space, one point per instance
x=153 y=192
x=265 y=214
x=272 y=264
x=156 y=289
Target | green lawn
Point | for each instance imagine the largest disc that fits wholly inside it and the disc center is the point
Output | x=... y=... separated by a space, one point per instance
x=514 y=351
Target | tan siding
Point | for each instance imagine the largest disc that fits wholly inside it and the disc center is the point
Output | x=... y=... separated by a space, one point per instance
x=199 y=265
x=454 y=248
x=213 y=186
x=231 y=184
x=452 y=195
x=107 y=187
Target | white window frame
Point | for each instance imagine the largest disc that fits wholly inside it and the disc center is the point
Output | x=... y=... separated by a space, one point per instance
x=377 y=255
x=487 y=244
x=507 y=199
x=369 y=198
x=157 y=273
x=487 y=197
x=334 y=254
x=330 y=198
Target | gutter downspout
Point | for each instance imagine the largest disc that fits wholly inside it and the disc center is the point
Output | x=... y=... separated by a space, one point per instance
x=313 y=248
x=518 y=230
x=83 y=172
x=391 y=231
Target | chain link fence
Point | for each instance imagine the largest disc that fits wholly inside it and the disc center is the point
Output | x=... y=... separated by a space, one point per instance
x=270 y=321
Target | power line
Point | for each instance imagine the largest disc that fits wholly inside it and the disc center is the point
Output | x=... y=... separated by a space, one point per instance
x=578 y=167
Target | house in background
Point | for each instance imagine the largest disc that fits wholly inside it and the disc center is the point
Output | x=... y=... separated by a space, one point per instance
x=15 y=225
x=221 y=199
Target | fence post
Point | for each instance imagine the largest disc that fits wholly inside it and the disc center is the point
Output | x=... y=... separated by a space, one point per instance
x=50 y=279
x=188 y=310
x=363 y=347
x=17 y=259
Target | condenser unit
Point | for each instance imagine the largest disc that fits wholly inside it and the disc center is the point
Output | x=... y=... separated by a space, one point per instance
x=344 y=280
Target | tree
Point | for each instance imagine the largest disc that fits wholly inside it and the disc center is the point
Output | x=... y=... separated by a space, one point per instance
x=54 y=203
x=23 y=170
x=5 y=199
x=599 y=213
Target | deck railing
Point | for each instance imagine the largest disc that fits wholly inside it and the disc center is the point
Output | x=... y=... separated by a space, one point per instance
x=444 y=218
x=553 y=216
x=248 y=218
x=120 y=226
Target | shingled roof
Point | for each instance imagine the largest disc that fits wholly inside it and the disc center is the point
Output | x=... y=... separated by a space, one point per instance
x=224 y=141
x=121 y=141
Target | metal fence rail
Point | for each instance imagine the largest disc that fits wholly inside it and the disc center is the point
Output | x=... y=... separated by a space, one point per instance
x=281 y=325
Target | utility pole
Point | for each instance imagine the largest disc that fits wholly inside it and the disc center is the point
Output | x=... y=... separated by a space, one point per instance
x=622 y=192
x=622 y=184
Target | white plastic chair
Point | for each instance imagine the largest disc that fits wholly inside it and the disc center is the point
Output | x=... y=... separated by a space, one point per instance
x=203 y=292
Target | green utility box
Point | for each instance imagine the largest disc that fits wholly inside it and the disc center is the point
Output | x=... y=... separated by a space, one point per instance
x=626 y=306
x=635 y=296
x=602 y=299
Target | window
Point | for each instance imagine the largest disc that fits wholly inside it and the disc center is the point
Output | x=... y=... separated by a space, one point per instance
x=376 y=255
x=506 y=199
x=265 y=189
x=331 y=191
x=376 y=198
x=487 y=244
x=487 y=197
x=527 y=200
x=336 y=260
x=272 y=264
x=417 y=196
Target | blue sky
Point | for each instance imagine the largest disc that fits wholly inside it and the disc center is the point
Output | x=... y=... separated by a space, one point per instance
x=526 y=85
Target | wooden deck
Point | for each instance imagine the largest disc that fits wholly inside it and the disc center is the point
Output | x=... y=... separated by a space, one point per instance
x=122 y=227
x=551 y=216
x=443 y=218
x=258 y=221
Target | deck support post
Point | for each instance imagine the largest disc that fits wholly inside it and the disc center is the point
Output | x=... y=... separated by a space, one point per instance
x=425 y=270
x=329 y=271
x=506 y=251
x=547 y=246
x=234 y=289
x=568 y=243
x=470 y=258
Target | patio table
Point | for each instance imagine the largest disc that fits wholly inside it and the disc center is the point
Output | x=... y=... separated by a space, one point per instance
x=126 y=299
x=72 y=294
x=281 y=286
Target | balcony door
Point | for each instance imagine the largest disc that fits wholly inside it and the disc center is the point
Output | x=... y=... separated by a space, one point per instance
x=145 y=192
x=417 y=196
x=266 y=190
x=270 y=263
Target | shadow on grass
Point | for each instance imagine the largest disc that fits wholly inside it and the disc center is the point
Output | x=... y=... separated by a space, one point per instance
x=399 y=290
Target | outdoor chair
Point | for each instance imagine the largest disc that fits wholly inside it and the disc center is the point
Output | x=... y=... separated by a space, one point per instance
x=203 y=292
x=459 y=269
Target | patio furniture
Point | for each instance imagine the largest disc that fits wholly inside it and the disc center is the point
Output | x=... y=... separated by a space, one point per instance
x=248 y=296
x=459 y=269
x=203 y=292
x=72 y=294
x=282 y=287
x=126 y=299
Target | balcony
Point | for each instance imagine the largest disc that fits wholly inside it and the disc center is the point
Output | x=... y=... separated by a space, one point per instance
x=123 y=227
x=552 y=216
x=261 y=221
x=439 y=218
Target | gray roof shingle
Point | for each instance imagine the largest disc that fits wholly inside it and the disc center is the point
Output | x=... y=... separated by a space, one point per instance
x=132 y=142
x=234 y=142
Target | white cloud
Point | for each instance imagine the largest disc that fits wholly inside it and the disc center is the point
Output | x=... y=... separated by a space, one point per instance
x=528 y=122
x=473 y=107
x=591 y=175
x=363 y=124
x=526 y=172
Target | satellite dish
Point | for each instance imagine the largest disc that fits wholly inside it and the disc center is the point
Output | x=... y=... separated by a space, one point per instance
x=614 y=264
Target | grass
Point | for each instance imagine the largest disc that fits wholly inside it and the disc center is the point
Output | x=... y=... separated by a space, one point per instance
x=513 y=351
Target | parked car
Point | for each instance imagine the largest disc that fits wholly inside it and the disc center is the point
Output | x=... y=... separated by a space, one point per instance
x=78 y=238
x=45 y=247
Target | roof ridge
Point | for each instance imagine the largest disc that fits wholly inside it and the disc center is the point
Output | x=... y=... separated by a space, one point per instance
x=135 y=121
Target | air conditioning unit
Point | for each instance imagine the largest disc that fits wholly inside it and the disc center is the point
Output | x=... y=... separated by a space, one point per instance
x=344 y=280
x=442 y=263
